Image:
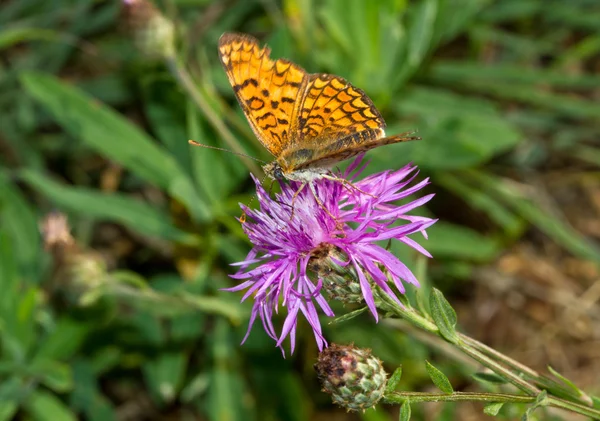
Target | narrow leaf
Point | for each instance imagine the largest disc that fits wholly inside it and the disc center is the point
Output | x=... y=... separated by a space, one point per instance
x=566 y=382
x=540 y=401
x=489 y=378
x=439 y=378
x=115 y=207
x=443 y=315
x=44 y=406
x=164 y=376
x=394 y=380
x=405 y=411
x=109 y=133
x=53 y=374
x=492 y=409
x=349 y=316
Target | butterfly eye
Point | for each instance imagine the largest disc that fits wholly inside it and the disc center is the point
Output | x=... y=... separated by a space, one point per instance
x=278 y=173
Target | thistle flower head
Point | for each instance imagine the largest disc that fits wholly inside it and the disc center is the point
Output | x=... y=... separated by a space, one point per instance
x=297 y=237
x=353 y=377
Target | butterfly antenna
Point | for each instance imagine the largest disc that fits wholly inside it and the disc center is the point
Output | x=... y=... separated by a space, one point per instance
x=193 y=142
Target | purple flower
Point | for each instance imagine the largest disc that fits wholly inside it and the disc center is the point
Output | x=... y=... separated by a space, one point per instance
x=287 y=232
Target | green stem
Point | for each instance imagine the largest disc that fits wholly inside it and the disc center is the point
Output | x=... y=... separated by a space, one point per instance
x=543 y=382
x=483 y=348
x=500 y=364
x=415 y=318
x=401 y=397
x=186 y=81
x=499 y=369
x=574 y=407
x=408 y=313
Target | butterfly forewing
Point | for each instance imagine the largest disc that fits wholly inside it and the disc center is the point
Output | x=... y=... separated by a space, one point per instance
x=268 y=91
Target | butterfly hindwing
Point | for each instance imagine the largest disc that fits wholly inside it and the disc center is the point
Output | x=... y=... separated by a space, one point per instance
x=332 y=109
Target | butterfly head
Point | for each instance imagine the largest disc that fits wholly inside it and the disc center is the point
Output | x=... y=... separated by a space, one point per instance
x=274 y=170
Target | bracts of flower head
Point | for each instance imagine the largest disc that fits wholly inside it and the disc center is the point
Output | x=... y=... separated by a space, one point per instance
x=301 y=246
x=353 y=377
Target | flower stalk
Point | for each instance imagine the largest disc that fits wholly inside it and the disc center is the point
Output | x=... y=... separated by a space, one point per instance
x=505 y=367
x=522 y=377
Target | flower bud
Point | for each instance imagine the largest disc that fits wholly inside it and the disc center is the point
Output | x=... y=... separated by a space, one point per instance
x=153 y=33
x=352 y=376
x=76 y=270
x=339 y=281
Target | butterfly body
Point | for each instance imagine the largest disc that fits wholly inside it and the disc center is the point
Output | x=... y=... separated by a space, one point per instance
x=309 y=122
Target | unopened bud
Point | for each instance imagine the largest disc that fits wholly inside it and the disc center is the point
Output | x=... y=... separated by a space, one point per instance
x=153 y=33
x=76 y=270
x=339 y=281
x=353 y=377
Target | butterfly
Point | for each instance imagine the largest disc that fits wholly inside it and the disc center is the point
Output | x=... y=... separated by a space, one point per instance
x=308 y=122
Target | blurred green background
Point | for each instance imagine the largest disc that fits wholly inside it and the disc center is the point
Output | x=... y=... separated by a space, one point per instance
x=128 y=322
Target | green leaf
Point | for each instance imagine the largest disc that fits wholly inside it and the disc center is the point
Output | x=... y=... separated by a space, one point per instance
x=596 y=402
x=459 y=242
x=587 y=154
x=62 y=342
x=20 y=222
x=452 y=127
x=394 y=380
x=493 y=409
x=43 y=406
x=566 y=382
x=226 y=383
x=195 y=388
x=18 y=307
x=115 y=207
x=164 y=376
x=8 y=409
x=439 y=378
x=12 y=36
x=511 y=224
x=405 y=411
x=54 y=374
x=10 y=392
x=110 y=134
x=419 y=37
x=443 y=315
x=215 y=172
x=552 y=226
x=453 y=72
x=86 y=398
x=489 y=378
x=349 y=316
x=540 y=401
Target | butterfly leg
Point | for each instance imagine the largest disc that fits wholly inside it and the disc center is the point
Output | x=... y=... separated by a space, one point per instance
x=349 y=185
x=294 y=199
x=314 y=192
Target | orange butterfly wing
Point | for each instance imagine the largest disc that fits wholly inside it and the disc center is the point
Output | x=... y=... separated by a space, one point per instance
x=304 y=120
x=336 y=121
x=268 y=91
